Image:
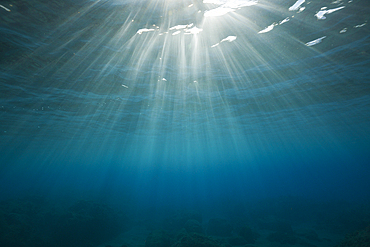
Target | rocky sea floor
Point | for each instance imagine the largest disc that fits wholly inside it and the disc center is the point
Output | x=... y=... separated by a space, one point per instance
x=285 y=221
x=300 y=235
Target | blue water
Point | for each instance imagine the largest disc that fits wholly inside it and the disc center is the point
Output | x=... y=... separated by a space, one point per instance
x=186 y=105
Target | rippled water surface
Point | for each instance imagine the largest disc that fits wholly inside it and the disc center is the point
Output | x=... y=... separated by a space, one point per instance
x=186 y=100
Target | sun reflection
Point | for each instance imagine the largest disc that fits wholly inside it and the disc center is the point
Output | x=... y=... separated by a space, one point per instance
x=186 y=55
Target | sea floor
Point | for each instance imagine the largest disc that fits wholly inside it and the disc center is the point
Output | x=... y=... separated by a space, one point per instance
x=327 y=224
x=277 y=222
x=138 y=234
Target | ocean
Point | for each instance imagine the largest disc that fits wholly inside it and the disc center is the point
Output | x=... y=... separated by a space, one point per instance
x=175 y=123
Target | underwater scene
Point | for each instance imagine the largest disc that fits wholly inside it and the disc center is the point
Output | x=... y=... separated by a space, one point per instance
x=184 y=123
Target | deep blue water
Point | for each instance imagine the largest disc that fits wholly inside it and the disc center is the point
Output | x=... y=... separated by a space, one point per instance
x=185 y=105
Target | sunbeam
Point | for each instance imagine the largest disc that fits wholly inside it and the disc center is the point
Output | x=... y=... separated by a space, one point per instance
x=155 y=67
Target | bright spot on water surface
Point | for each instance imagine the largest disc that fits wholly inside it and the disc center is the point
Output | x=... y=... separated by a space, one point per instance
x=5 y=8
x=321 y=14
x=316 y=41
x=297 y=5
